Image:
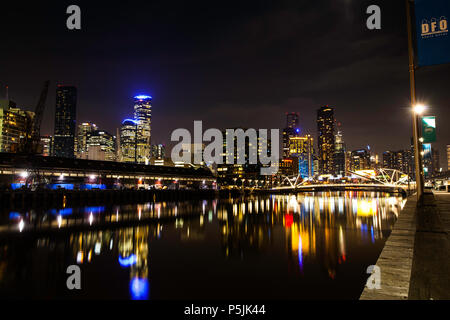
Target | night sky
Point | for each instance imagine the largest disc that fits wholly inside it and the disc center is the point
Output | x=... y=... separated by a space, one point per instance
x=228 y=63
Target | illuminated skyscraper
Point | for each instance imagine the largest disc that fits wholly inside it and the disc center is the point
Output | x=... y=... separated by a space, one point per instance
x=339 y=153
x=292 y=130
x=326 y=140
x=398 y=160
x=13 y=126
x=143 y=116
x=431 y=163
x=302 y=148
x=292 y=120
x=248 y=171
x=83 y=130
x=47 y=145
x=360 y=160
x=158 y=151
x=128 y=143
x=65 y=121
x=100 y=145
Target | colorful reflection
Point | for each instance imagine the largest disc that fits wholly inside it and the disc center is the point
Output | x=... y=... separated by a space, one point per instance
x=305 y=237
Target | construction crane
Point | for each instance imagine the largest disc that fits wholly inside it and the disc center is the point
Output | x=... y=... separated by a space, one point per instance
x=31 y=143
x=33 y=132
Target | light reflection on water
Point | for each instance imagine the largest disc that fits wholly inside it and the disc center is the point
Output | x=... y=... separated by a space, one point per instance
x=294 y=246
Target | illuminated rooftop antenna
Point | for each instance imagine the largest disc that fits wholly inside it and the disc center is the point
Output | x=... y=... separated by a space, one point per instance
x=7 y=93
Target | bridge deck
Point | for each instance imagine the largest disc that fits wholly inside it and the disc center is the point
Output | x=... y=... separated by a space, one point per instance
x=346 y=186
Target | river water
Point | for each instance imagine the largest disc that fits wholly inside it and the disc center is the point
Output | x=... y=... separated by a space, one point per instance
x=305 y=246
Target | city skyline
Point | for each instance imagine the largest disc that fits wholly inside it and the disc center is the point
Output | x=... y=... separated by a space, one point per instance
x=183 y=74
x=291 y=130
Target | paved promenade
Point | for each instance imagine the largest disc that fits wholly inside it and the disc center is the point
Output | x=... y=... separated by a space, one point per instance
x=395 y=260
x=415 y=262
x=430 y=275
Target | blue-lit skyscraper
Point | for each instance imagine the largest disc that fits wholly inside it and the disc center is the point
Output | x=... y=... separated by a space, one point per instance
x=135 y=134
x=143 y=116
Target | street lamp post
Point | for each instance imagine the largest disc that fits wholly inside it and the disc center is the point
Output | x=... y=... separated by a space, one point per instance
x=417 y=109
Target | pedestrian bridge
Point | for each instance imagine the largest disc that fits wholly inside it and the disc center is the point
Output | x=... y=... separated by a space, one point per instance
x=386 y=180
x=345 y=187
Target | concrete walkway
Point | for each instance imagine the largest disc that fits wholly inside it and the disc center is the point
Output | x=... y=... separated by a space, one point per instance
x=430 y=274
x=415 y=261
x=395 y=260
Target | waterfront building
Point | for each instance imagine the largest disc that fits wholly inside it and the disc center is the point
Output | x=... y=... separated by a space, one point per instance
x=46 y=145
x=360 y=160
x=14 y=124
x=374 y=161
x=100 y=146
x=158 y=151
x=326 y=140
x=339 y=154
x=399 y=160
x=65 y=121
x=240 y=173
x=292 y=130
x=128 y=143
x=143 y=116
x=302 y=148
x=288 y=167
x=348 y=162
x=82 y=135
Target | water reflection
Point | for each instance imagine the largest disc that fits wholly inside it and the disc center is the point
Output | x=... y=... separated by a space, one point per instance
x=303 y=239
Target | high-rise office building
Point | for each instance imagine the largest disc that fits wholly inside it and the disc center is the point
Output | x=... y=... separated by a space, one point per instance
x=233 y=172
x=431 y=162
x=128 y=143
x=143 y=116
x=302 y=148
x=399 y=160
x=288 y=167
x=158 y=151
x=360 y=160
x=13 y=126
x=326 y=140
x=65 y=121
x=292 y=130
x=82 y=135
x=100 y=145
x=47 y=146
x=339 y=153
